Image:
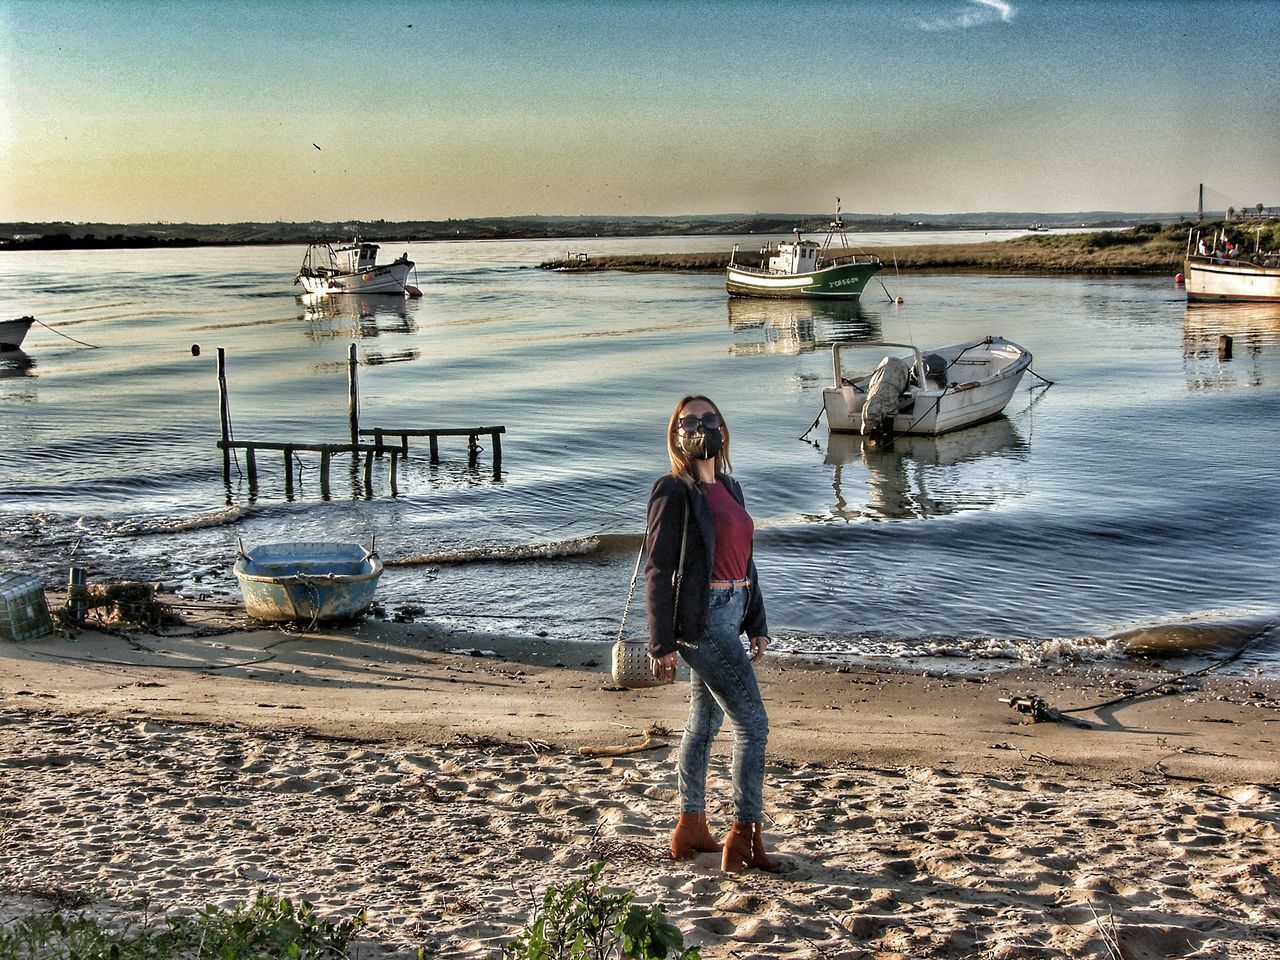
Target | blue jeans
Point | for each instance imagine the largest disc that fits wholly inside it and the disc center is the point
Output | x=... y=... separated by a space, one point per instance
x=723 y=681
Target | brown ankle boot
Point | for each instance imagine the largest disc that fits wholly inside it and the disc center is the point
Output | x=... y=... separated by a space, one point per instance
x=744 y=847
x=759 y=859
x=691 y=836
x=737 y=847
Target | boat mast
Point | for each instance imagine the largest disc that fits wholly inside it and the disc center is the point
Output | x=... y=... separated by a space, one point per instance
x=1200 y=208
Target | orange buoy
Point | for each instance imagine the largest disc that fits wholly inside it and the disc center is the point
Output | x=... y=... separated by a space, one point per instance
x=1179 y=280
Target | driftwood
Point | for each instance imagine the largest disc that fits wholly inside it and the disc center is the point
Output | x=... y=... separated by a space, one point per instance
x=646 y=743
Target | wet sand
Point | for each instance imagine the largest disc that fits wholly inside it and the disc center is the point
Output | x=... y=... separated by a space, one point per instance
x=437 y=778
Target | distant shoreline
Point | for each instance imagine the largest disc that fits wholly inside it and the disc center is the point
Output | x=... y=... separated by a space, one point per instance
x=66 y=235
x=1148 y=249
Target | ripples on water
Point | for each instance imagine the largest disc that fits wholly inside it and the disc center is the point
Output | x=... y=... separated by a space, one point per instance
x=1127 y=510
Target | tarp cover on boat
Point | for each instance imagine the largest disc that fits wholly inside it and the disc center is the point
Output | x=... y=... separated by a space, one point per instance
x=887 y=382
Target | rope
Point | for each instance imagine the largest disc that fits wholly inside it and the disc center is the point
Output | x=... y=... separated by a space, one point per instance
x=1164 y=683
x=91 y=346
x=812 y=426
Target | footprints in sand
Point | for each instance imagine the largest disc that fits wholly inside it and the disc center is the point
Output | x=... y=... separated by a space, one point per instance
x=451 y=846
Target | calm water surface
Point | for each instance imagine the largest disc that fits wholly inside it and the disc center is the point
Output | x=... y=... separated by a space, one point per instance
x=1130 y=508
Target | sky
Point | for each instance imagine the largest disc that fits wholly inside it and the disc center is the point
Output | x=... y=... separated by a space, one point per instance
x=297 y=110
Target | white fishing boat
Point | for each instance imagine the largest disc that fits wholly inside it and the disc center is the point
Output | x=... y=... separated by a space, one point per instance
x=308 y=581
x=353 y=268
x=12 y=332
x=1216 y=269
x=914 y=393
x=803 y=269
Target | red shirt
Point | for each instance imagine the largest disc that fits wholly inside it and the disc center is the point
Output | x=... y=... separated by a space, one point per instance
x=734 y=529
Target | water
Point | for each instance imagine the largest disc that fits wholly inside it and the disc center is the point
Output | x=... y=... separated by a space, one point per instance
x=1127 y=510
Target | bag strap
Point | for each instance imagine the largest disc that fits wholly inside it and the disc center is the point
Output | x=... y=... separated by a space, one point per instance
x=635 y=574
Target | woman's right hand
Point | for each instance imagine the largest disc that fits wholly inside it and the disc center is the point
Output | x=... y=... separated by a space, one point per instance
x=664 y=667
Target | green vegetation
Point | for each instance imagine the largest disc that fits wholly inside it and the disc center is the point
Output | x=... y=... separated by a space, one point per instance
x=269 y=928
x=583 y=920
x=1144 y=249
x=61 y=235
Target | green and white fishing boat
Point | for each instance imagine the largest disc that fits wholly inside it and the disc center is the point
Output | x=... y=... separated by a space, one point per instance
x=801 y=269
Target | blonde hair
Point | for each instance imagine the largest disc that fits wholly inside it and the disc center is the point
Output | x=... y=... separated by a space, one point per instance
x=681 y=463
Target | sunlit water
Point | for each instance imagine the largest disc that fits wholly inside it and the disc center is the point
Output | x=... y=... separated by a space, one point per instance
x=1131 y=506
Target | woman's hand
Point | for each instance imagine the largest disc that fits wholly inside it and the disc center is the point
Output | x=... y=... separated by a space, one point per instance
x=664 y=667
x=758 y=646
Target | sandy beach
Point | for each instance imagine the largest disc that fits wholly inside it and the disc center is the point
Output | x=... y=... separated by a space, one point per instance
x=437 y=778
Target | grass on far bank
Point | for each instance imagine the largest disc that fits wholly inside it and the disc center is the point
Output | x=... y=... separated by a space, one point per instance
x=1145 y=249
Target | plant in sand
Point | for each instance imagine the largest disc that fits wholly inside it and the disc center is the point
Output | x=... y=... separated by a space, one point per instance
x=584 y=920
x=269 y=928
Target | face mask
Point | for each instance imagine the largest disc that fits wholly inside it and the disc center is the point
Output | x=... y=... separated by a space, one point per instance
x=703 y=445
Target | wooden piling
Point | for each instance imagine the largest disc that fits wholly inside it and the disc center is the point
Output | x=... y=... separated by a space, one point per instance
x=1224 y=347
x=495 y=440
x=395 y=456
x=435 y=448
x=353 y=404
x=224 y=414
x=288 y=473
x=251 y=465
x=326 y=459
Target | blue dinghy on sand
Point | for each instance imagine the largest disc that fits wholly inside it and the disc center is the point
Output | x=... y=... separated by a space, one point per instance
x=308 y=581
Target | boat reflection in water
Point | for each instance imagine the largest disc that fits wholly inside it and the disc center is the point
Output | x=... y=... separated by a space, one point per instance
x=1254 y=329
x=15 y=363
x=919 y=476
x=358 y=315
x=797 y=326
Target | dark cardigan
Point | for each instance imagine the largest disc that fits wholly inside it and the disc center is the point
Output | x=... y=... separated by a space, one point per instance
x=667 y=505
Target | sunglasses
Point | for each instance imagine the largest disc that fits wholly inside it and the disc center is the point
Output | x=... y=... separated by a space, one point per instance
x=708 y=421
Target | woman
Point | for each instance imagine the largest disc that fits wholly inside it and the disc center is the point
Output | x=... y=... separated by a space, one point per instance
x=700 y=611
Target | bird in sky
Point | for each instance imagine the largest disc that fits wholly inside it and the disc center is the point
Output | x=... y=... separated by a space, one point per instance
x=316 y=145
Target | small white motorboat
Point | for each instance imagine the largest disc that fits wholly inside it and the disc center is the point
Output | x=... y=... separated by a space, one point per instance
x=915 y=393
x=353 y=268
x=12 y=332
x=308 y=581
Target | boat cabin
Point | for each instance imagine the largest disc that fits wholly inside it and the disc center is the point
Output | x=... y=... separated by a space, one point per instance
x=355 y=258
x=798 y=256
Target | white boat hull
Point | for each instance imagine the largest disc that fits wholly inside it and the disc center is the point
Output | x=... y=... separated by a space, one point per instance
x=12 y=332
x=980 y=380
x=1233 y=280
x=387 y=278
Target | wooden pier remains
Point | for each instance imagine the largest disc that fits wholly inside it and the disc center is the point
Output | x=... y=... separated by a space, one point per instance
x=396 y=451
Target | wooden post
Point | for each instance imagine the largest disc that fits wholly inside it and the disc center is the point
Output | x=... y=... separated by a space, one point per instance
x=354 y=396
x=473 y=450
x=1224 y=347
x=224 y=414
x=251 y=465
x=435 y=448
x=495 y=438
x=377 y=439
x=395 y=456
x=404 y=445
x=326 y=456
x=368 y=473
x=288 y=473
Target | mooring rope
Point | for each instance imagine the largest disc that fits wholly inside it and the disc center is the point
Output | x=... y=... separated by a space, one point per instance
x=91 y=346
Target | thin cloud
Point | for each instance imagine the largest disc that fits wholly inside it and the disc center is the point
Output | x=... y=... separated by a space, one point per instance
x=975 y=15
